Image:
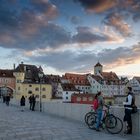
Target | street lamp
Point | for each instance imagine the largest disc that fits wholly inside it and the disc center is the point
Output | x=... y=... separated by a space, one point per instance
x=40 y=75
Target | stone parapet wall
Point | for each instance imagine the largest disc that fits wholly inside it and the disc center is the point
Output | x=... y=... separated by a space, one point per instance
x=78 y=111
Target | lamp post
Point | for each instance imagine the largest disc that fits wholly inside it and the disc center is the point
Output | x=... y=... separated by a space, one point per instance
x=40 y=75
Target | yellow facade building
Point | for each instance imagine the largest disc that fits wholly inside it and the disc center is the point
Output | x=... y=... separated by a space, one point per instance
x=28 y=82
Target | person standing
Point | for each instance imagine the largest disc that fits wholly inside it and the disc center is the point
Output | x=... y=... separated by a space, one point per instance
x=33 y=102
x=99 y=110
x=30 y=102
x=22 y=103
x=130 y=101
x=7 y=99
x=4 y=98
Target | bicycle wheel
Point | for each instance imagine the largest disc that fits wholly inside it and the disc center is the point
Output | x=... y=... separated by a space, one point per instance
x=86 y=116
x=110 y=121
x=92 y=121
x=116 y=125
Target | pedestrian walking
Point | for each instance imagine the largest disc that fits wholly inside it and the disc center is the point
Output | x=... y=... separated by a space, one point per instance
x=22 y=103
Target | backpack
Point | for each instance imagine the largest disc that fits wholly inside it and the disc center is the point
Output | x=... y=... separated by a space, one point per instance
x=95 y=104
x=134 y=107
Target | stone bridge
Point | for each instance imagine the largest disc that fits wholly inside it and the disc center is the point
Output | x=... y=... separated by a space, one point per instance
x=35 y=125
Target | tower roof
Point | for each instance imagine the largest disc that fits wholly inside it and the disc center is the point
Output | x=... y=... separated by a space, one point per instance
x=98 y=64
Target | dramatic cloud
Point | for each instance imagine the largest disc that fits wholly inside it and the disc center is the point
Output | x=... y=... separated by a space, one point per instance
x=73 y=61
x=23 y=26
x=29 y=28
x=98 y=5
x=116 y=21
x=87 y=35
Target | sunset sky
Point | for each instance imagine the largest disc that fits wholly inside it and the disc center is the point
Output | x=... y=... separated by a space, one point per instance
x=71 y=35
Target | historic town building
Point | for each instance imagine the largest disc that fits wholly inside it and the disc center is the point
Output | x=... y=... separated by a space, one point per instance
x=80 y=82
x=107 y=82
x=7 y=82
x=31 y=80
x=135 y=84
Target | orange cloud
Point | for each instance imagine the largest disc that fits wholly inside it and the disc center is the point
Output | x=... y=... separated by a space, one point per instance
x=98 y=5
x=116 y=21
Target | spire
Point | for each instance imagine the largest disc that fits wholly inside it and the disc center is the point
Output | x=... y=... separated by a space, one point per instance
x=40 y=69
x=98 y=64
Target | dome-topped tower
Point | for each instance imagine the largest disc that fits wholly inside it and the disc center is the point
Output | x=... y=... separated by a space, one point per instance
x=98 y=68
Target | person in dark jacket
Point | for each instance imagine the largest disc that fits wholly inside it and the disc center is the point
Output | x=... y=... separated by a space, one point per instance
x=130 y=100
x=33 y=102
x=30 y=102
x=22 y=103
x=7 y=99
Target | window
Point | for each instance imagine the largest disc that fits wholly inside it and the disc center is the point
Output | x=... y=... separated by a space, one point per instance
x=29 y=92
x=78 y=98
x=18 y=88
x=36 y=89
x=30 y=85
x=84 y=98
x=18 y=81
x=90 y=98
x=66 y=92
x=37 y=96
x=43 y=89
x=66 y=98
x=43 y=96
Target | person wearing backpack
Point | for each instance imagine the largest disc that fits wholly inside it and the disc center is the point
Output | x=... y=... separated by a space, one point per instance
x=95 y=103
x=99 y=109
x=130 y=102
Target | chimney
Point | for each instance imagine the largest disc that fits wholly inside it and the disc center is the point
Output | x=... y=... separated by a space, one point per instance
x=14 y=66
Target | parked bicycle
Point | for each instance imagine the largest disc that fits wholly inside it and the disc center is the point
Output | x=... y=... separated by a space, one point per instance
x=89 y=114
x=110 y=122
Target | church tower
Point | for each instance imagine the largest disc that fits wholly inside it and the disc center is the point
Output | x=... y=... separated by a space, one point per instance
x=98 y=68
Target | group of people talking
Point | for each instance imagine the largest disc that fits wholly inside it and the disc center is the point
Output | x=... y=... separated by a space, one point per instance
x=128 y=105
x=32 y=101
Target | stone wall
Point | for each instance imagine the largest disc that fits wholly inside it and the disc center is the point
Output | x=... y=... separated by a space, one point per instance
x=78 y=111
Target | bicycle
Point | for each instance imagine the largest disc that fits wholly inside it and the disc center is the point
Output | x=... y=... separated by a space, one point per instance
x=110 y=122
x=89 y=114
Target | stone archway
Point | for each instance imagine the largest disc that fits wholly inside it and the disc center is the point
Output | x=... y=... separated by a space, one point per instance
x=6 y=90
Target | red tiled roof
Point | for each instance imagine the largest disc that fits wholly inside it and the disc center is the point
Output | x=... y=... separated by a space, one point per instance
x=68 y=87
x=77 y=79
x=6 y=73
x=110 y=76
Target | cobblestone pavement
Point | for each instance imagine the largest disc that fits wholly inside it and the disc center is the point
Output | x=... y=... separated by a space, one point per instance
x=28 y=125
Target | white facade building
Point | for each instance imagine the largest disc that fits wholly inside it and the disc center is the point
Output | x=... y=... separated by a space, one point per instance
x=135 y=84
x=67 y=91
x=106 y=82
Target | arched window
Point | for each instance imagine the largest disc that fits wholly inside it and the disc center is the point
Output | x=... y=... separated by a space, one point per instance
x=43 y=96
x=29 y=92
x=36 y=89
x=43 y=89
